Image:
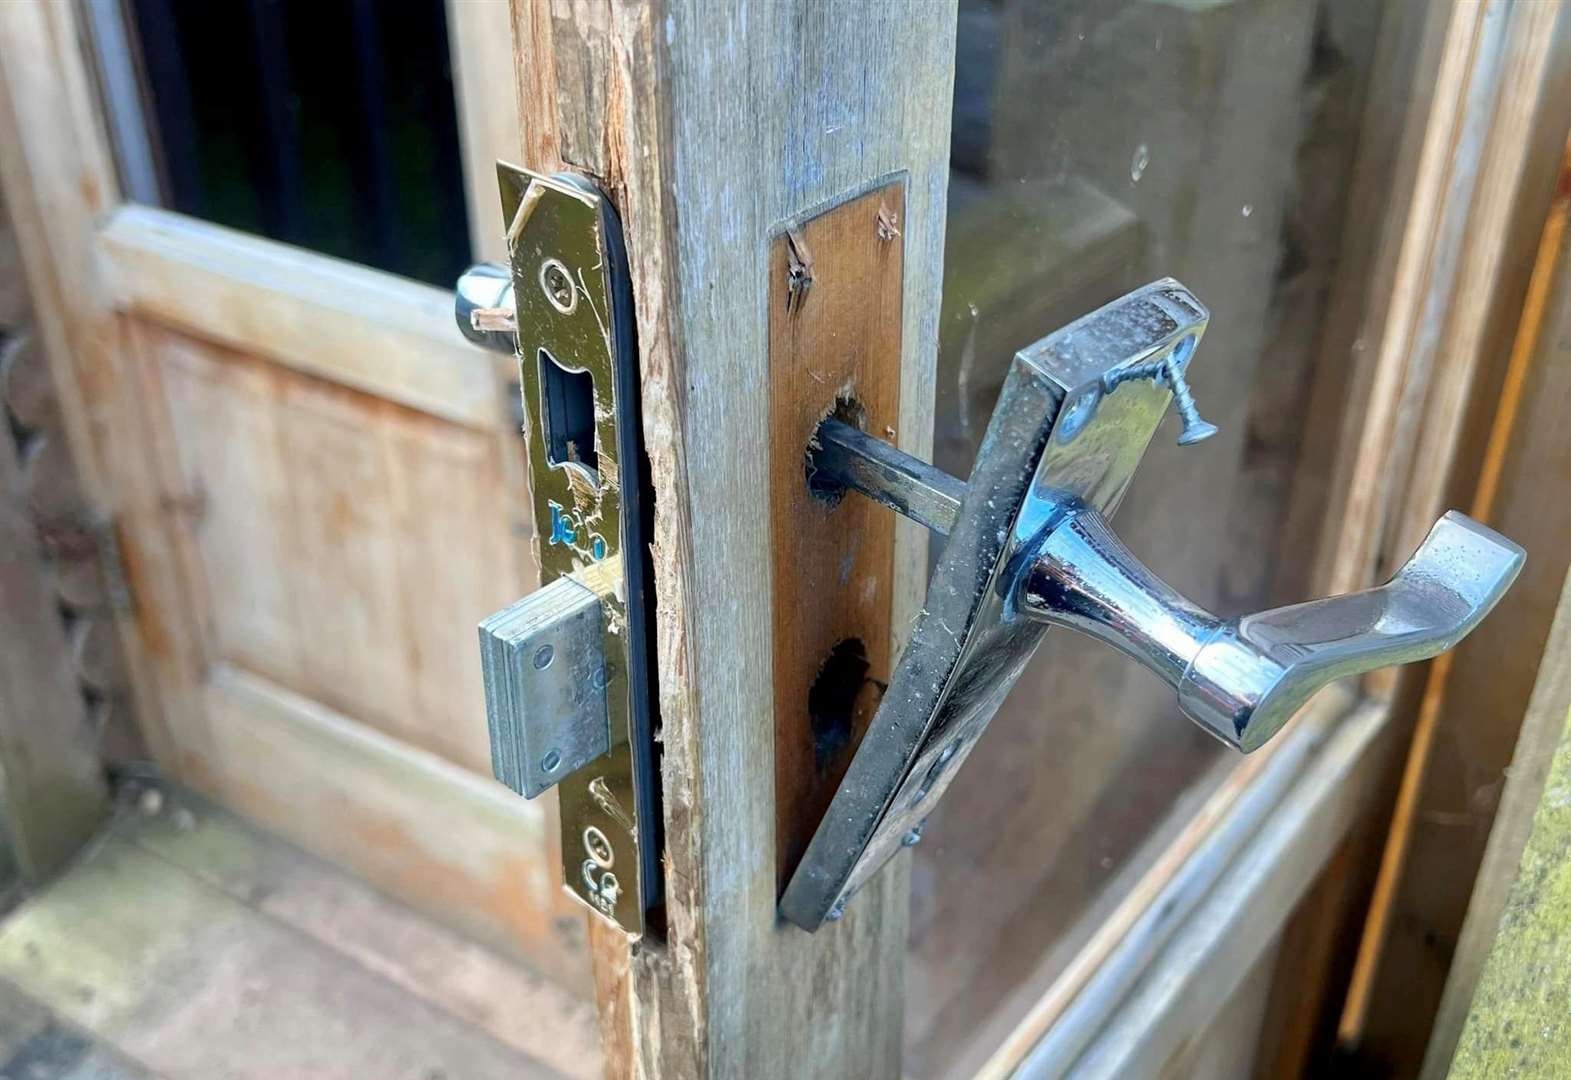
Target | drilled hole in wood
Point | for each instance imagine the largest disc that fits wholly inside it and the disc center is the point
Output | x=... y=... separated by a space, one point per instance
x=840 y=697
x=848 y=410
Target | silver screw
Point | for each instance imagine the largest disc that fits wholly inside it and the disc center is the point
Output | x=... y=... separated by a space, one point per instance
x=913 y=837
x=1195 y=428
x=837 y=912
x=1171 y=370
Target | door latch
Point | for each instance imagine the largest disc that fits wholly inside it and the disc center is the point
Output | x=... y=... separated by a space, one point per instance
x=567 y=669
x=1029 y=546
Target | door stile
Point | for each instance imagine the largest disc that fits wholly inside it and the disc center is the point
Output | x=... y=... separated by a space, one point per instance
x=712 y=126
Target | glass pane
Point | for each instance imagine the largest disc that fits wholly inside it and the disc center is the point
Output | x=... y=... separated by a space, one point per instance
x=329 y=124
x=1099 y=145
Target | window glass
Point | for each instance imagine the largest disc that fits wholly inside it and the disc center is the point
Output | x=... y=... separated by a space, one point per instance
x=330 y=124
x=1099 y=145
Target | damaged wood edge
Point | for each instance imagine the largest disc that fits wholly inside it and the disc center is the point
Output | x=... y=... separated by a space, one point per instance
x=731 y=991
x=649 y=997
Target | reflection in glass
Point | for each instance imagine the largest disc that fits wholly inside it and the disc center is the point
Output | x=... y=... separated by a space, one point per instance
x=1098 y=145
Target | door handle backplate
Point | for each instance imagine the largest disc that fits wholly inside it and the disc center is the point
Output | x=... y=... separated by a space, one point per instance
x=1030 y=546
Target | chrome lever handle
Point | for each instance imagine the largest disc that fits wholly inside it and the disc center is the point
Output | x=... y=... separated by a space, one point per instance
x=1029 y=545
x=1242 y=679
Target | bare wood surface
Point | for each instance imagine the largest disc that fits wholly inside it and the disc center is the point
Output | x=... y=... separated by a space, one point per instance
x=1359 y=483
x=1460 y=269
x=1498 y=884
x=326 y=317
x=834 y=344
x=324 y=523
x=58 y=180
x=336 y=359
x=457 y=847
x=708 y=141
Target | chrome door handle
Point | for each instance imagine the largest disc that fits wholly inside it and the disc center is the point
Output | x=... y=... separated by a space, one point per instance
x=483 y=307
x=1030 y=546
x=1242 y=679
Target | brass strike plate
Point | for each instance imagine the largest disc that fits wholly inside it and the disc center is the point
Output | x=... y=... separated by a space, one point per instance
x=578 y=371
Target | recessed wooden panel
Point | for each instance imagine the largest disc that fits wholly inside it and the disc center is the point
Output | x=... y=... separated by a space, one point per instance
x=349 y=544
x=834 y=346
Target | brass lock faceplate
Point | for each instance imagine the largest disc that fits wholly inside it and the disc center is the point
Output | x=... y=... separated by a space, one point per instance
x=567 y=669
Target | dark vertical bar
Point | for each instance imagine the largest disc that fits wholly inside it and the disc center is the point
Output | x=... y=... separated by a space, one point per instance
x=281 y=198
x=440 y=104
x=373 y=165
x=176 y=136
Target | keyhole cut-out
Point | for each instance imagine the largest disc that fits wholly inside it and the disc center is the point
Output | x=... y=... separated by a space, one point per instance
x=840 y=696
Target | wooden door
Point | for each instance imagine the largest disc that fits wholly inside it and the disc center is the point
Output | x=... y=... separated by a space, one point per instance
x=316 y=485
x=1103 y=892
x=318 y=488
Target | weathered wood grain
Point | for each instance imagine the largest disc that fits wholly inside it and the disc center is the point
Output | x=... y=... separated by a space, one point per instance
x=58 y=179
x=351 y=324
x=326 y=522
x=189 y=982
x=513 y=1004
x=1474 y=698
x=455 y=846
x=719 y=122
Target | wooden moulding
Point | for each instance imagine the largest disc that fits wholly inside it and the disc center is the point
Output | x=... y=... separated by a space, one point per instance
x=834 y=347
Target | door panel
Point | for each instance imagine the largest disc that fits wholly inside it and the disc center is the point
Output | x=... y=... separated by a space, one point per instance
x=346 y=541
x=318 y=490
